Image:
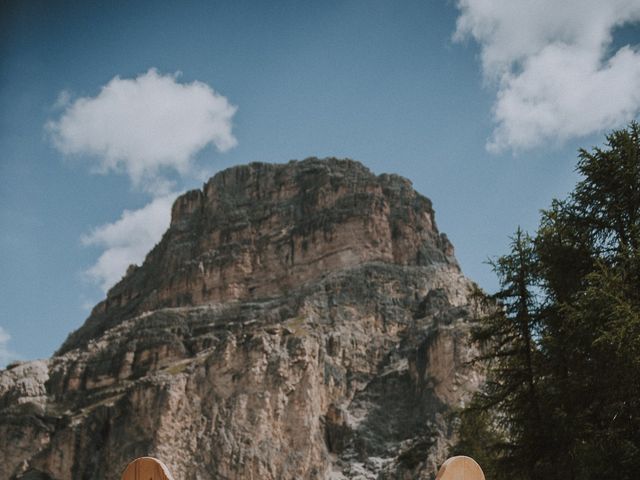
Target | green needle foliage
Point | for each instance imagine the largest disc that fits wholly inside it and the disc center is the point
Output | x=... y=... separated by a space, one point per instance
x=561 y=341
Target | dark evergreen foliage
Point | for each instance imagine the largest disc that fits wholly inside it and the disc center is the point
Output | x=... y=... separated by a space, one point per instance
x=561 y=340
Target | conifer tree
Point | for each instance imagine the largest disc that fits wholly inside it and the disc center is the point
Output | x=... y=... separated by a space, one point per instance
x=567 y=406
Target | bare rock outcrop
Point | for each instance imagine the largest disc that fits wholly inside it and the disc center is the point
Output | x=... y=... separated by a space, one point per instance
x=303 y=320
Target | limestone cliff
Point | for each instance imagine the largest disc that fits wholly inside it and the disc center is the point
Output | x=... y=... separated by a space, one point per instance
x=296 y=321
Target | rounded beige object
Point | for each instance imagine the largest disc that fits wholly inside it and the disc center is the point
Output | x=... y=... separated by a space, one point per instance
x=146 y=468
x=460 y=468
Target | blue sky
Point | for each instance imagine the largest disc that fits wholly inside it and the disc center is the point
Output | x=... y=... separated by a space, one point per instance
x=485 y=122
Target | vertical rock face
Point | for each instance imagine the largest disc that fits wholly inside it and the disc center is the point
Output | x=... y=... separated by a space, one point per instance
x=303 y=320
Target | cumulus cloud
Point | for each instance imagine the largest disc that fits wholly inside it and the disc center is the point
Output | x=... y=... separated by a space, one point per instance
x=552 y=62
x=149 y=128
x=6 y=355
x=144 y=127
x=127 y=240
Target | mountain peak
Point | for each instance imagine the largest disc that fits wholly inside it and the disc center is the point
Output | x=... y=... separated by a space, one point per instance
x=303 y=320
x=258 y=230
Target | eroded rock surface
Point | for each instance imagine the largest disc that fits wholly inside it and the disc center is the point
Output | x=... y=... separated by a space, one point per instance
x=304 y=320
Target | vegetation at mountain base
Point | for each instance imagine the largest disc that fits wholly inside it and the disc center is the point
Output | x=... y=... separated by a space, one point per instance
x=561 y=341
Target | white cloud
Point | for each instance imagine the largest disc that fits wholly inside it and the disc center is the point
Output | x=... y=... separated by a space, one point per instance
x=149 y=128
x=6 y=355
x=144 y=127
x=127 y=240
x=552 y=63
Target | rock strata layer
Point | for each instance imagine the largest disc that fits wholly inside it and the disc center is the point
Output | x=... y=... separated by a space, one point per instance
x=304 y=320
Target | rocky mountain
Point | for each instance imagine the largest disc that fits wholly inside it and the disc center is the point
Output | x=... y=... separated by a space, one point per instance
x=297 y=321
